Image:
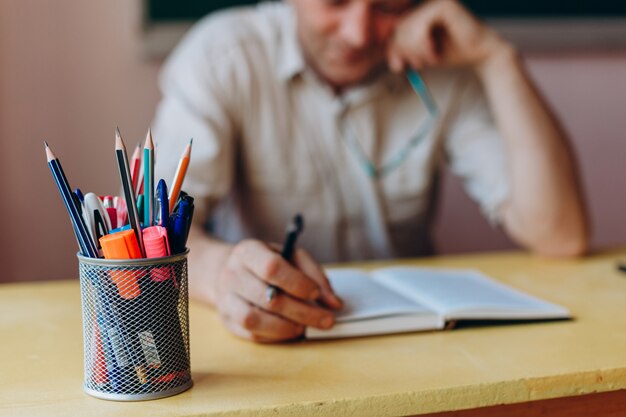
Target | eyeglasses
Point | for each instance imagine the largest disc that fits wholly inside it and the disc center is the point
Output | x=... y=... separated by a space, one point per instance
x=418 y=85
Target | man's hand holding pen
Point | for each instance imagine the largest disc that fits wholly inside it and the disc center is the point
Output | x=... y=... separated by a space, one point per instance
x=299 y=293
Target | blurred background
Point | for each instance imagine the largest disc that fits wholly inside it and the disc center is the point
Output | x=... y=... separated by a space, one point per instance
x=71 y=71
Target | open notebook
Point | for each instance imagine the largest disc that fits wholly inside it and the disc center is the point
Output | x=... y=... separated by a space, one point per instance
x=403 y=299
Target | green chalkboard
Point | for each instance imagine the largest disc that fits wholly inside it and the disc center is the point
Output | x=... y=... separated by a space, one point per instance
x=165 y=11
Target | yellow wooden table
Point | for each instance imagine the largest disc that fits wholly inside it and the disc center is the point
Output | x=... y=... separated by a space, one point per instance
x=41 y=357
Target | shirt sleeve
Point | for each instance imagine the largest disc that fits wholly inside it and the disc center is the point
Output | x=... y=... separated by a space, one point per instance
x=195 y=105
x=475 y=149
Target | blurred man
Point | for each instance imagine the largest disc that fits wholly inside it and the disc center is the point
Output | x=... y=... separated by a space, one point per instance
x=306 y=107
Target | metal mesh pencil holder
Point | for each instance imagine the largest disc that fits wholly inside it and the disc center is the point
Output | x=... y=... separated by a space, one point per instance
x=135 y=327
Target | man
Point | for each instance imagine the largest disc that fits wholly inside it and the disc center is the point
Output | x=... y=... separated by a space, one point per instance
x=305 y=107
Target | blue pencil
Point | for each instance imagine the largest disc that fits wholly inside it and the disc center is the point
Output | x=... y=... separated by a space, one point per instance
x=87 y=245
x=148 y=181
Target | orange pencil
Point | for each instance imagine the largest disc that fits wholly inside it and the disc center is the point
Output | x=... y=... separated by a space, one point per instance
x=179 y=177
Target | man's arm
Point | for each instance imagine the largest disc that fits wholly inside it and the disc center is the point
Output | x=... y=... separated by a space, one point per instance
x=544 y=210
x=235 y=278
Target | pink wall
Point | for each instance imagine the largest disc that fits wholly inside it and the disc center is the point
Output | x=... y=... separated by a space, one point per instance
x=588 y=92
x=70 y=71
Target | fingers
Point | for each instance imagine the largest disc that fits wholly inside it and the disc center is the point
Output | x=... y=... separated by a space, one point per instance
x=253 y=290
x=394 y=60
x=440 y=33
x=250 y=322
x=305 y=262
x=417 y=45
x=245 y=307
x=270 y=267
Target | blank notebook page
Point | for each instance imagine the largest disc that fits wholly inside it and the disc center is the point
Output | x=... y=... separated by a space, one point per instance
x=364 y=298
x=450 y=291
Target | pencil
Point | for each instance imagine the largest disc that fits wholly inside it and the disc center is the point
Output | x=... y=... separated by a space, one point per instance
x=86 y=244
x=135 y=164
x=129 y=194
x=148 y=180
x=179 y=177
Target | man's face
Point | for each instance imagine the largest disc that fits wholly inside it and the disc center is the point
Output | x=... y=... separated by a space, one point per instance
x=345 y=40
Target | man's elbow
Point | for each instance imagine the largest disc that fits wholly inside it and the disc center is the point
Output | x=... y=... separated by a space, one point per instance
x=568 y=242
x=569 y=248
x=562 y=235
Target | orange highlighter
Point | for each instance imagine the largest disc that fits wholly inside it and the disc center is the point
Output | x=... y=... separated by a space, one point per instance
x=123 y=245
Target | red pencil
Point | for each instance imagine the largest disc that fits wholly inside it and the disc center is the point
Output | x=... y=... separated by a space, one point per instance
x=135 y=164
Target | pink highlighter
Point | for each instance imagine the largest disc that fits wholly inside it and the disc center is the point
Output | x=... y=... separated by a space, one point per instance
x=157 y=246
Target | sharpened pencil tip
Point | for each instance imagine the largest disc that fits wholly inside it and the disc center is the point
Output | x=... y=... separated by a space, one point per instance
x=119 y=143
x=149 y=143
x=45 y=142
x=49 y=153
x=191 y=141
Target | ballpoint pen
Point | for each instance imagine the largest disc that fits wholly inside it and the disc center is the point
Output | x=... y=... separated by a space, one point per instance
x=180 y=223
x=78 y=201
x=294 y=228
x=97 y=218
x=162 y=208
x=79 y=194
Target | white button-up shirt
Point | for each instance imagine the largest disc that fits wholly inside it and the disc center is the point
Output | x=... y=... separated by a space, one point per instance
x=270 y=139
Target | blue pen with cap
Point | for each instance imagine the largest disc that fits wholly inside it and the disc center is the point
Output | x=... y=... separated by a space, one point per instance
x=163 y=205
x=180 y=222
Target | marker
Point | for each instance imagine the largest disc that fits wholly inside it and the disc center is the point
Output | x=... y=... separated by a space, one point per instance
x=163 y=328
x=99 y=371
x=123 y=245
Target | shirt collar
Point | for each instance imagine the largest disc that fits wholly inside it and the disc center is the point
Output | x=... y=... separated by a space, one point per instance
x=290 y=59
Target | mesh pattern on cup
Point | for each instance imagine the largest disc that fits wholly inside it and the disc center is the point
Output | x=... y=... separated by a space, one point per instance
x=135 y=326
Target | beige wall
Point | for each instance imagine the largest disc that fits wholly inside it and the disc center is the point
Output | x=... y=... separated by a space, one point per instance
x=70 y=71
